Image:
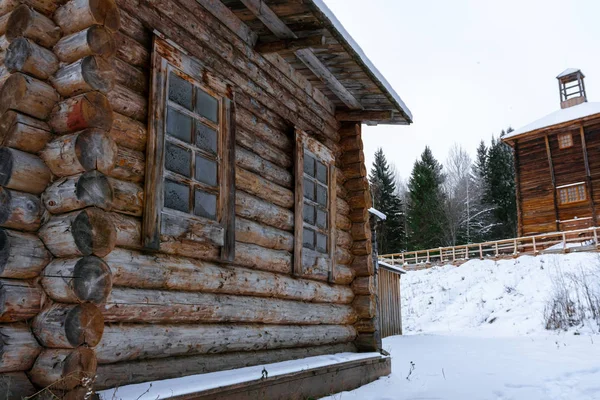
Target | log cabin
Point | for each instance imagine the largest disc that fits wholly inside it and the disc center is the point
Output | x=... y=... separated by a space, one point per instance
x=557 y=163
x=183 y=191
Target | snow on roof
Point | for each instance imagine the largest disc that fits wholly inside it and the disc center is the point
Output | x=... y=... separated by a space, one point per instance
x=558 y=117
x=567 y=71
x=340 y=28
x=378 y=213
x=390 y=266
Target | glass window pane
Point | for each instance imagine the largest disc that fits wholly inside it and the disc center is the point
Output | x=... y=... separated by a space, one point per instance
x=321 y=219
x=178 y=160
x=205 y=204
x=309 y=189
x=309 y=214
x=308 y=238
x=206 y=170
x=321 y=243
x=322 y=195
x=177 y=196
x=179 y=125
x=321 y=172
x=206 y=105
x=309 y=165
x=180 y=91
x=206 y=137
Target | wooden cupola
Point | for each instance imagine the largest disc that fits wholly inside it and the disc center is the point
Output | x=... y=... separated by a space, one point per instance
x=572 y=87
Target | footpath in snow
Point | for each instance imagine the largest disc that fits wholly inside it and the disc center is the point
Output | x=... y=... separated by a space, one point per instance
x=479 y=332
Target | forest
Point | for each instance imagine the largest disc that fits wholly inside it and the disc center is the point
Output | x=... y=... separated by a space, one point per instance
x=460 y=201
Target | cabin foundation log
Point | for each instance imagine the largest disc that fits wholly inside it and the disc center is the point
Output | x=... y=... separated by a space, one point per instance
x=64 y=369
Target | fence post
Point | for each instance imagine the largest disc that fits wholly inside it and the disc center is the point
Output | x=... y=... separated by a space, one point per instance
x=480 y=251
x=534 y=246
x=515 y=252
x=497 y=252
x=393 y=260
x=441 y=256
x=403 y=262
x=564 y=238
x=453 y=254
x=427 y=257
x=596 y=236
x=467 y=253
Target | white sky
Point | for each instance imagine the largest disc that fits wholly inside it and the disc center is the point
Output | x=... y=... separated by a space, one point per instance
x=469 y=68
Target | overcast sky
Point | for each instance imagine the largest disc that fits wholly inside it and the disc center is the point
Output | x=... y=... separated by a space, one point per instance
x=469 y=68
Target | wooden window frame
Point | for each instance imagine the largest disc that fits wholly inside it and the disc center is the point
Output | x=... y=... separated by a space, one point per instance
x=565 y=189
x=562 y=136
x=321 y=153
x=166 y=58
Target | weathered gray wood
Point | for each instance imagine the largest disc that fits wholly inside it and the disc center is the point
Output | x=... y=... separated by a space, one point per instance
x=24 y=21
x=23 y=171
x=137 y=270
x=68 y=325
x=22 y=132
x=19 y=300
x=15 y=386
x=261 y=187
x=129 y=231
x=77 y=280
x=253 y=208
x=131 y=342
x=255 y=233
x=18 y=348
x=80 y=233
x=91 y=73
x=18 y=210
x=64 y=369
x=364 y=285
x=89 y=110
x=365 y=306
x=131 y=77
x=127 y=132
x=77 y=15
x=130 y=165
x=24 y=55
x=258 y=257
x=27 y=95
x=6 y=6
x=130 y=51
x=287 y=45
x=255 y=163
x=129 y=103
x=344 y=275
x=22 y=255
x=209 y=232
x=93 y=41
x=115 y=375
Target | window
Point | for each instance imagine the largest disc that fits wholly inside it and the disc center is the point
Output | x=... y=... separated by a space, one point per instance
x=565 y=140
x=190 y=174
x=572 y=193
x=315 y=208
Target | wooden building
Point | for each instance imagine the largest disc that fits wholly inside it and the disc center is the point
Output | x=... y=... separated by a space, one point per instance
x=557 y=163
x=182 y=191
x=390 y=298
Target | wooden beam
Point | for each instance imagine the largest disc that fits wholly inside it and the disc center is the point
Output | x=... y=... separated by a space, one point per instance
x=588 y=175
x=282 y=31
x=290 y=44
x=365 y=115
x=230 y=20
x=551 y=165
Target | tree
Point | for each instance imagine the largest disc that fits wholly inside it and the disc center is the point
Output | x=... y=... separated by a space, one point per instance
x=481 y=215
x=426 y=217
x=390 y=233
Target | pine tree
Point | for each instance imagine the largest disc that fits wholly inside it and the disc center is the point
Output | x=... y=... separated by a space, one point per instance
x=426 y=217
x=481 y=213
x=390 y=233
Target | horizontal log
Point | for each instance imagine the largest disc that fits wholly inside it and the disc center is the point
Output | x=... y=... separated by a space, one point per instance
x=359 y=215
x=69 y=325
x=130 y=165
x=289 y=45
x=129 y=133
x=79 y=152
x=133 y=269
x=343 y=239
x=131 y=342
x=6 y=6
x=366 y=342
x=129 y=231
x=131 y=51
x=353 y=171
x=365 y=306
x=129 y=103
x=267 y=151
x=23 y=171
x=24 y=55
x=352 y=157
x=27 y=95
x=46 y=7
x=93 y=41
x=153 y=306
x=89 y=110
x=116 y=375
x=255 y=163
x=81 y=233
x=206 y=232
x=18 y=348
x=255 y=233
x=23 y=132
x=342 y=222
x=261 y=187
x=258 y=257
x=364 y=285
x=360 y=199
x=77 y=280
x=253 y=208
x=18 y=210
x=361 y=231
x=19 y=300
x=131 y=77
x=366 y=325
x=351 y=143
x=343 y=256
x=91 y=73
x=22 y=255
x=357 y=184
x=25 y=21
x=264 y=131
x=362 y=247
x=77 y=15
x=363 y=265
x=343 y=275
x=16 y=386
x=64 y=369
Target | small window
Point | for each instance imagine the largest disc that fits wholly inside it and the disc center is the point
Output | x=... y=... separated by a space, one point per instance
x=190 y=154
x=572 y=194
x=315 y=208
x=565 y=140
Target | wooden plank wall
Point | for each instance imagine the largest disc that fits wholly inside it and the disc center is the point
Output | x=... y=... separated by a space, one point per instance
x=390 y=314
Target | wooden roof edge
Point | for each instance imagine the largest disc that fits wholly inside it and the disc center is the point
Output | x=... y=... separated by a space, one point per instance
x=326 y=17
x=550 y=129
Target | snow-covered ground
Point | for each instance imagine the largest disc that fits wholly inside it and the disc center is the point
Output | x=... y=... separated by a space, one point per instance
x=478 y=332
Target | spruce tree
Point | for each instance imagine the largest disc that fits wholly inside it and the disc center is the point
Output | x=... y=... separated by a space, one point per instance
x=426 y=216
x=481 y=216
x=390 y=233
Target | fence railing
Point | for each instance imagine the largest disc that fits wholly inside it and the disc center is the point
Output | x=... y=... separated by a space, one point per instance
x=556 y=242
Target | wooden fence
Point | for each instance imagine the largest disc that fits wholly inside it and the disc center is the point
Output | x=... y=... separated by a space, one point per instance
x=557 y=242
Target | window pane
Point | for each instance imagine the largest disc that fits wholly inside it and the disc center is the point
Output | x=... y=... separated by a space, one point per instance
x=179 y=125
x=177 y=196
x=206 y=105
x=322 y=195
x=206 y=137
x=309 y=189
x=321 y=243
x=309 y=214
x=206 y=171
x=180 y=91
x=321 y=172
x=321 y=219
x=309 y=165
x=178 y=160
x=205 y=204
x=308 y=238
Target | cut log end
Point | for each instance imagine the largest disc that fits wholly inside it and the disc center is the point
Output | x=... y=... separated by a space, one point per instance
x=94 y=232
x=24 y=21
x=69 y=326
x=93 y=280
x=95 y=150
x=64 y=369
x=101 y=41
x=89 y=110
